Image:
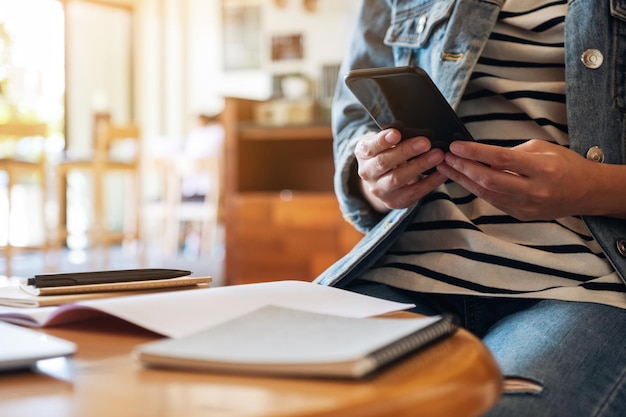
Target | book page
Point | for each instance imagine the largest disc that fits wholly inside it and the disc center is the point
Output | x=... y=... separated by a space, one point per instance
x=179 y=313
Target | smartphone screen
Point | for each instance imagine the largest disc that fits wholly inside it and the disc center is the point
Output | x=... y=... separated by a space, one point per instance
x=407 y=99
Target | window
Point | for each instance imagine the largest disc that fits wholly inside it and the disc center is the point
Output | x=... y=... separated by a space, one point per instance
x=32 y=82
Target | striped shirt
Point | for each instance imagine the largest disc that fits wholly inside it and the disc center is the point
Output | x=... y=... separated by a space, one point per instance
x=459 y=244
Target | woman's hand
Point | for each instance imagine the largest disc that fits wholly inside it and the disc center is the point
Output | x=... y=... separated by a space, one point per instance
x=537 y=180
x=391 y=171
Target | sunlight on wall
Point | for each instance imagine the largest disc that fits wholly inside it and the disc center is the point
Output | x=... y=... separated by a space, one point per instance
x=32 y=89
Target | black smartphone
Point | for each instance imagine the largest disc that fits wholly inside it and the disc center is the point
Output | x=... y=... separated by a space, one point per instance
x=407 y=99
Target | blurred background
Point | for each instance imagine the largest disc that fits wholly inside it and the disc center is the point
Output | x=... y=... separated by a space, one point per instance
x=170 y=133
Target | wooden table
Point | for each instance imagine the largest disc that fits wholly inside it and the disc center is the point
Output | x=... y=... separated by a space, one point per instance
x=455 y=378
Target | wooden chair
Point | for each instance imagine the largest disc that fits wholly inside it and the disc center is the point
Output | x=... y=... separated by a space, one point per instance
x=204 y=211
x=104 y=163
x=171 y=208
x=16 y=169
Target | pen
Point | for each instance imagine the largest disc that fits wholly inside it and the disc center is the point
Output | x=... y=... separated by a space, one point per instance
x=103 y=277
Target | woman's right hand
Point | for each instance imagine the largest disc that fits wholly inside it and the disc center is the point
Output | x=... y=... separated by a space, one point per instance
x=391 y=171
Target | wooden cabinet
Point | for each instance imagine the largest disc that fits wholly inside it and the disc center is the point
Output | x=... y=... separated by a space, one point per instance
x=282 y=219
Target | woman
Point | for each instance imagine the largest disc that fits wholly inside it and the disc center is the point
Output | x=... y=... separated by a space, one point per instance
x=523 y=233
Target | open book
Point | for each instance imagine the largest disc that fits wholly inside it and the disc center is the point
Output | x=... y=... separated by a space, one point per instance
x=282 y=341
x=26 y=296
x=180 y=313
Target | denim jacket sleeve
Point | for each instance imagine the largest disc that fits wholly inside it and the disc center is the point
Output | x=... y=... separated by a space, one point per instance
x=349 y=121
x=596 y=102
x=432 y=34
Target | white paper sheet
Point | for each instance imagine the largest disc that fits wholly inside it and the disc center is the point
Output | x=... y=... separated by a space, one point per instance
x=179 y=313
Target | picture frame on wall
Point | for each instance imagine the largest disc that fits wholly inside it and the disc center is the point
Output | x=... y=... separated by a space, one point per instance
x=287 y=47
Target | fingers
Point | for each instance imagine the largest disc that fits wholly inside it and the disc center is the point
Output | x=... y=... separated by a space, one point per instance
x=496 y=157
x=404 y=185
x=409 y=193
x=372 y=145
x=411 y=171
x=524 y=181
x=380 y=153
x=392 y=170
x=417 y=190
x=534 y=180
x=480 y=180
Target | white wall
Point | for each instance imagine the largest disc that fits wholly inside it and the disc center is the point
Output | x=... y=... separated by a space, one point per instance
x=98 y=69
x=325 y=33
x=180 y=69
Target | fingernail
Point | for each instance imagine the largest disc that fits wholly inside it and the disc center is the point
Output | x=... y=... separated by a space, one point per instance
x=435 y=157
x=457 y=146
x=420 y=145
x=390 y=137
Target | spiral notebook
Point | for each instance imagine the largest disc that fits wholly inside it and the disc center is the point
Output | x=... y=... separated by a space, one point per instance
x=282 y=341
x=21 y=348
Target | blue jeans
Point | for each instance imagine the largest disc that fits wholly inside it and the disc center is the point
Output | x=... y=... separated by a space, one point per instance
x=570 y=357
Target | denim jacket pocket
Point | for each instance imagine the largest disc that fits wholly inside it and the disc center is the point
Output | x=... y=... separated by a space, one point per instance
x=618 y=12
x=413 y=23
x=618 y=9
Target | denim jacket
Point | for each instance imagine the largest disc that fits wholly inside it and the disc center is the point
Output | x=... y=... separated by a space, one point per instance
x=446 y=37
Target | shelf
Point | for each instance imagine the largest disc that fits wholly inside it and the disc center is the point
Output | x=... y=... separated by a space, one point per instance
x=276 y=238
x=271 y=165
x=251 y=132
x=282 y=218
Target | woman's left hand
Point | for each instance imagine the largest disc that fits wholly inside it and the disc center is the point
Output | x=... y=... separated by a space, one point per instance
x=536 y=180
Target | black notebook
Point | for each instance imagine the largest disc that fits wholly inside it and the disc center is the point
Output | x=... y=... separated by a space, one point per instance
x=280 y=341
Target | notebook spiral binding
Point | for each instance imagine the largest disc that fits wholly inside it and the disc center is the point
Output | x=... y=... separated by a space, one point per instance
x=437 y=330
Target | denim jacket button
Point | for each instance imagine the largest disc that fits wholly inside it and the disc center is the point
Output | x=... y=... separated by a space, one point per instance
x=421 y=23
x=621 y=246
x=592 y=58
x=595 y=154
